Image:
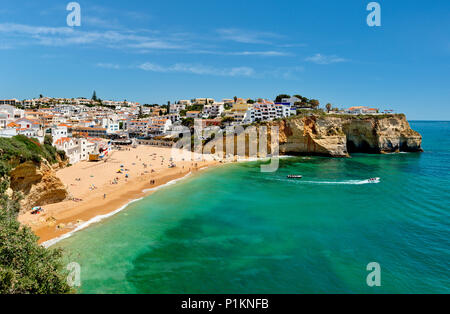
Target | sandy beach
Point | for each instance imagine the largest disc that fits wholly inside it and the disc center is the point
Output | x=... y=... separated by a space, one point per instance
x=98 y=188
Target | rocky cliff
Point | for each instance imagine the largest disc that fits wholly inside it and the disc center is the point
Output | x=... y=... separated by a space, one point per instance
x=38 y=183
x=335 y=135
x=339 y=135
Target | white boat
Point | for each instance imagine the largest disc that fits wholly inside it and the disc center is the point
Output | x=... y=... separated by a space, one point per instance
x=294 y=176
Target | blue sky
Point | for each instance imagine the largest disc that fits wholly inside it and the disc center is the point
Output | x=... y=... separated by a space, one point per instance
x=159 y=51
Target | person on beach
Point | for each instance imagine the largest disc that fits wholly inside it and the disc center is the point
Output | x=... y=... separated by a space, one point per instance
x=104 y=196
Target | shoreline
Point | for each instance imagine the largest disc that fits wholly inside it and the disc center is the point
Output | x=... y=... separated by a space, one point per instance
x=48 y=237
x=61 y=220
x=100 y=218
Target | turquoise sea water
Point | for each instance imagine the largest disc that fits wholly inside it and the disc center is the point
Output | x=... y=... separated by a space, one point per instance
x=234 y=229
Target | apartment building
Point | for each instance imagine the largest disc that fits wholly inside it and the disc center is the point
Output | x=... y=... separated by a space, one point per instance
x=138 y=126
x=11 y=102
x=175 y=108
x=159 y=126
x=213 y=110
x=239 y=112
x=111 y=124
x=266 y=111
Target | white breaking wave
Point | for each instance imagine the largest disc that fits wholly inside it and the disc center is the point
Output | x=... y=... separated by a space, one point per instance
x=251 y=159
x=86 y=224
x=99 y=218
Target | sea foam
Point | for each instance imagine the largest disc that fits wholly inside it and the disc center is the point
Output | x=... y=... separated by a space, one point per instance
x=86 y=224
x=99 y=218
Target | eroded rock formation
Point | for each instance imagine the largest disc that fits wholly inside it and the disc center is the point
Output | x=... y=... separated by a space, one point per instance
x=38 y=183
x=337 y=135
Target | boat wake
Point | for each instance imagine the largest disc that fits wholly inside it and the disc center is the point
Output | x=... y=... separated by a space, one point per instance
x=346 y=182
x=357 y=182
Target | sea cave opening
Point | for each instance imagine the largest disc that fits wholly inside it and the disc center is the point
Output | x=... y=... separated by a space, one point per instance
x=361 y=147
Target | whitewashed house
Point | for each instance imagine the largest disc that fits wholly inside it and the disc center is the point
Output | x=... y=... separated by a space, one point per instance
x=59 y=132
x=8 y=132
x=9 y=114
x=111 y=124
x=213 y=110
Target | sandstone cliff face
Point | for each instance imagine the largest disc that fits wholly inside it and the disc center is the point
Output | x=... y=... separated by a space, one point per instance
x=331 y=135
x=339 y=135
x=38 y=183
x=313 y=136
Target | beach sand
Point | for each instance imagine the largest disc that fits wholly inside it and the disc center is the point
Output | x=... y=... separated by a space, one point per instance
x=98 y=193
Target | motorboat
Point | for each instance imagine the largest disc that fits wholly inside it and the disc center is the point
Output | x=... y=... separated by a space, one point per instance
x=294 y=176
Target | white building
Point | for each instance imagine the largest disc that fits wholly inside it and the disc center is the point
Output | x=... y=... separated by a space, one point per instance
x=174 y=117
x=9 y=114
x=361 y=110
x=176 y=108
x=12 y=102
x=291 y=100
x=111 y=124
x=59 y=132
x=267 y=111
x=8 y=132
x=139 y=126
x=83 y=101
x=4 y=120
x=159 y=125
x=28 y=124
x=76 y=149
x=28 y=132
x=214 y=109
x=29 y=103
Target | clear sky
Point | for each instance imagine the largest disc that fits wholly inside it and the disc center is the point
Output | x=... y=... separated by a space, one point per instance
x=159 y=51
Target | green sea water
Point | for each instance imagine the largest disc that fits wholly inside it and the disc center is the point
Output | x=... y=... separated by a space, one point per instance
x=234 y=229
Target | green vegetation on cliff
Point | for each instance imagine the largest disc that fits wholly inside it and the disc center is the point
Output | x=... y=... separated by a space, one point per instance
x=25 y=266
x=366 y=116
x=20 y=149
